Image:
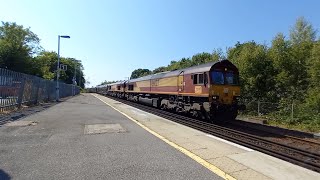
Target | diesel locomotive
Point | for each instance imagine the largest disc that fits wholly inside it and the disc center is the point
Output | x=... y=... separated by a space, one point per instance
x=209 y=91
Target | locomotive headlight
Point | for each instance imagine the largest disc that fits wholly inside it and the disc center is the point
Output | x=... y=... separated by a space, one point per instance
x=236 y=98
x=215 y=97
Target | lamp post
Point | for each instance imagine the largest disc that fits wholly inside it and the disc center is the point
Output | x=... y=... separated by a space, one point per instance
x=74 y=79
x=58 y=66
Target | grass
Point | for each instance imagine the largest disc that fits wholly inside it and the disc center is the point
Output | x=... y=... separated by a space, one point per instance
x=302 y=123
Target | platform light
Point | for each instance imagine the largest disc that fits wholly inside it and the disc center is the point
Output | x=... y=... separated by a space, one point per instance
x=58 y=65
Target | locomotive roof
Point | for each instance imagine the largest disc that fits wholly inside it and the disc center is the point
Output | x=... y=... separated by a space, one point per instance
x=100 y=86
x=194 y=69
x=116 y=83
x=148 y=77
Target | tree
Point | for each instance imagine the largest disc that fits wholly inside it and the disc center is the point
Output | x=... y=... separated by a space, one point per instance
x=280 y=54
x=159 y=69
x=302 y=32
x=174 y=65
x=256 y=70
x=201 y=58
x=45 y=65
x=217 y=55
x=107 y=82
x=20 y=51
x=313 y=95
x=74 y=70
x=302 y=38
x=139 y=73
x=314 y=64
x=17 y=46
x=184 y=63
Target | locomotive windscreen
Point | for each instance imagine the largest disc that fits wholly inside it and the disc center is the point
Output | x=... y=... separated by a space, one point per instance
x=227 y=78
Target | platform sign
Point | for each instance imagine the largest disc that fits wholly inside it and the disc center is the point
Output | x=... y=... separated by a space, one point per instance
x=63 y=67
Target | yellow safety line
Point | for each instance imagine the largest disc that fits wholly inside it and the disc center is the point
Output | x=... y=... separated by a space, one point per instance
x=193 y=156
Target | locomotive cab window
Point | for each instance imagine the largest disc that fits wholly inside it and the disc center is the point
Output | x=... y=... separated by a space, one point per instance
x=195 y=78
x=232 y=78
x=130 y=87
x=198 y=78
x=217 y=77
x=118 y=87
x=200 y=81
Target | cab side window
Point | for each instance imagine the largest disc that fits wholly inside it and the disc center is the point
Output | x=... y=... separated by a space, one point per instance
x=130 y=87
x=198 y=78
x=195 y=78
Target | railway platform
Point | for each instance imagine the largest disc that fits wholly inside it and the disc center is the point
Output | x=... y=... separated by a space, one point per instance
x=83 y=138
x=94 y=137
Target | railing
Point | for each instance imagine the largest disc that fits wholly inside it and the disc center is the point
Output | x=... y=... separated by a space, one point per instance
x=18 y=88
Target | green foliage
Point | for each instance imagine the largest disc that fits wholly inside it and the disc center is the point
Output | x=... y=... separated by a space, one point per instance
x=256 y=70
x=312 y=101
x=200 y=58
x=314 y=64
x=139 y=73
x=20 y=51
x=108 y=82
x=17 y=46
x=302 y=32
x=45 y=65
x=159 y=69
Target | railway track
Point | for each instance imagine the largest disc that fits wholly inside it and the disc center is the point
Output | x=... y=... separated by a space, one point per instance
x=291 y=152
x=303 y=142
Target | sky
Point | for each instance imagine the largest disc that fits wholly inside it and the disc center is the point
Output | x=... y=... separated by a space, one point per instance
x=114 y=37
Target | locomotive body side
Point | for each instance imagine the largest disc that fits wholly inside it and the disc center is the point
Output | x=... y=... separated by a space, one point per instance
x=116 y=89
x=185 y=90
x=209 y=91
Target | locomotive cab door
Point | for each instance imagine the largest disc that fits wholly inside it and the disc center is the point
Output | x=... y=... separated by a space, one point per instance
x=180 y=82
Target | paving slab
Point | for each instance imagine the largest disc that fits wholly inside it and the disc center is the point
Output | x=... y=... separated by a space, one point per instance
x=83 y=138
x=271 y=166
x=229 y=158
x=250 y=174
x=227 y=164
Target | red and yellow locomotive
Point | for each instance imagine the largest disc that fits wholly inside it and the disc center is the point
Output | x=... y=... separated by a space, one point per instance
x=210 y=90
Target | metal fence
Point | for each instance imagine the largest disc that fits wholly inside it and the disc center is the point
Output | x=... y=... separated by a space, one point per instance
x=270 y=110
x=18 y=88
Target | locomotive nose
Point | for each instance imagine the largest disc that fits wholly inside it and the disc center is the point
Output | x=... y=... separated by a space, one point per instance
x=224 y=93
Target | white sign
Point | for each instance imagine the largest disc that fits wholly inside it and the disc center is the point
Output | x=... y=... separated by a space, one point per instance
x=63 y=67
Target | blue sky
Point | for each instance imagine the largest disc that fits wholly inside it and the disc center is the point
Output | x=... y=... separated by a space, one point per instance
x=114 y=37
